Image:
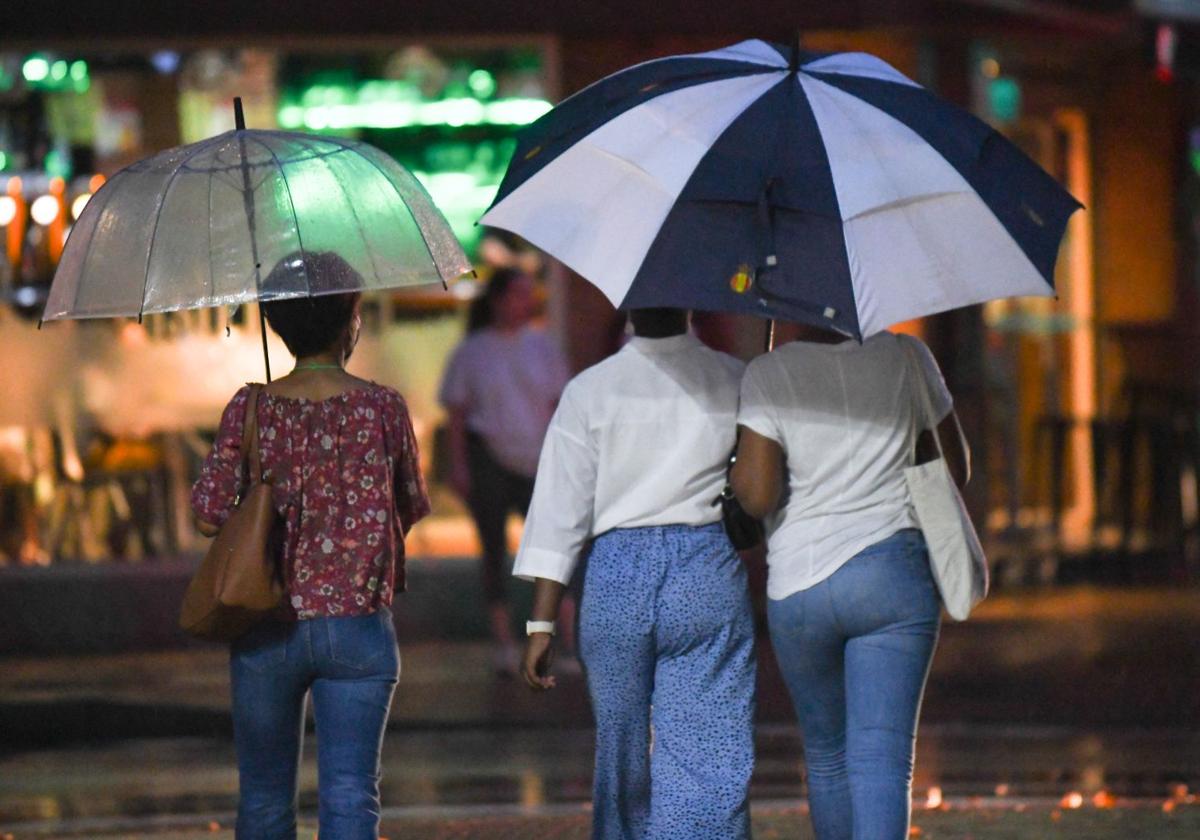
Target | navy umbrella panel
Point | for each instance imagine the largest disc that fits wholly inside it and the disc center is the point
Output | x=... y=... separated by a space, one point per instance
x=852 y=196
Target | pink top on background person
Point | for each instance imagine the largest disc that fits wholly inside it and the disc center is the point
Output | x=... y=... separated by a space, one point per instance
x=348 y=487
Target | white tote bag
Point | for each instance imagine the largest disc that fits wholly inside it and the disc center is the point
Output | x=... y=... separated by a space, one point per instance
x=955 y=555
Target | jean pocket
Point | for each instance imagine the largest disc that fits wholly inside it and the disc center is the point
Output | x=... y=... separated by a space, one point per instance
x=362 y=642
x=263 y=648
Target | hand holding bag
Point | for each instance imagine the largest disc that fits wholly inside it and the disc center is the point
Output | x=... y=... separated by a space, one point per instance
x=237 y=584
x=955 y=555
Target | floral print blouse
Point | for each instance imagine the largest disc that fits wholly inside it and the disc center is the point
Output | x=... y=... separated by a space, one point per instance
x=347 y=484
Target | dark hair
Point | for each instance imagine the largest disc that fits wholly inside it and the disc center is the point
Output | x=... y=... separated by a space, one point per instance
x=658 y=322
x=483 y=309
x=312 y=324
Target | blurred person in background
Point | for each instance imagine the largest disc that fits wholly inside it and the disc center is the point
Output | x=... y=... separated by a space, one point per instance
x=342 y=460
x=827 y=427
x=500 y=389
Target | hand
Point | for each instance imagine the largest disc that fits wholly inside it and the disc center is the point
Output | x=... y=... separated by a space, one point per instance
x=535 y=664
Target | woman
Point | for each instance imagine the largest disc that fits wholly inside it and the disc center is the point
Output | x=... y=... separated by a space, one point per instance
x=342 y=459
x=827 y=427
x=500 y=389
x=634 y=458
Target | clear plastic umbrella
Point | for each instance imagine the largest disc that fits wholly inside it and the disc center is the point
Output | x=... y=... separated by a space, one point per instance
x=204 y=225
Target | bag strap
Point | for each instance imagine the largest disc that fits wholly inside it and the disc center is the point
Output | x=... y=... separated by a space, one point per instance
x=251 y=457
x=918 y=379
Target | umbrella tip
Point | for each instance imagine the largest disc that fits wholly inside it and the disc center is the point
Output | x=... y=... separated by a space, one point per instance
x=239 y=116
x=794 y=61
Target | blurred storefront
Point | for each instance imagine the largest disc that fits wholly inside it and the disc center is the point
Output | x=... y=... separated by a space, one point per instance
x=1082 y=409
x=103 y=423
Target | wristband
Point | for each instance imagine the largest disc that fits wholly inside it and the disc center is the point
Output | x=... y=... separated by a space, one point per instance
x=532 y=627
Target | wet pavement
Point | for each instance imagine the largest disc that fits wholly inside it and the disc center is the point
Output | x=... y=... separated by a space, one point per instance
x=1038 y=697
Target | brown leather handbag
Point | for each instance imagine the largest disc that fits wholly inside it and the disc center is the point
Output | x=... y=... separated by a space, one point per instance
x=237 y=584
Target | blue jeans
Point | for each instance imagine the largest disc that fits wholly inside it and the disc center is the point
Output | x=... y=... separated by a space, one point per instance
x=855 y=651
x=667 y=637
x=351 y=666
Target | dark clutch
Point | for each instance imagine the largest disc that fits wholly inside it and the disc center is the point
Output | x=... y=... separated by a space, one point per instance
x=744 y=531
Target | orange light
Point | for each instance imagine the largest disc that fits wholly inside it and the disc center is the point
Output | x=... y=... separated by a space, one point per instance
x=1072 y=800
x=934 y=800
x=96 y=182
x=15 y=187
x=1104 y=799
x=57 y=185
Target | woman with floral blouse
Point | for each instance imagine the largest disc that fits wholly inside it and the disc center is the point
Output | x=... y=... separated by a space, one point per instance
x=341 y=457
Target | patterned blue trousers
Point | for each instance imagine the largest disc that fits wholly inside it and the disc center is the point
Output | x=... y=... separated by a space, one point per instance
x=667 y=638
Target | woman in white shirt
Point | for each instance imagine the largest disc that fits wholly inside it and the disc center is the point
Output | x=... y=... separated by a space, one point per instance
x=827 y=427
x=633 y=462
x=500 y=389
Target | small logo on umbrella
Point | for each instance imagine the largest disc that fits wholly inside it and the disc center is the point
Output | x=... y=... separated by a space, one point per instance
x=742 y=279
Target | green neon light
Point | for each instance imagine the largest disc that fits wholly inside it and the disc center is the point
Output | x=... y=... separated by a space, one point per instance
x=3 y=161
x=398 y=104
x=36 y=69
x=482 y=83
x=42 y=73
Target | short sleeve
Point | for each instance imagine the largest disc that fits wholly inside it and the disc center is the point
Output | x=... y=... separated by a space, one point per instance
x=755 y=410
x=455 y=392
x=932 y=379
x=410 y=496
x=220 y=479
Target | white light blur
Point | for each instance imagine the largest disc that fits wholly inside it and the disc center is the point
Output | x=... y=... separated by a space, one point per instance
x=44 y=209
x=78 y=204
x=8 y=210
x=25 y=296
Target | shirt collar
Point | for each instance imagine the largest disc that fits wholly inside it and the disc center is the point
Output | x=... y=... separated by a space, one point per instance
x=673 y=344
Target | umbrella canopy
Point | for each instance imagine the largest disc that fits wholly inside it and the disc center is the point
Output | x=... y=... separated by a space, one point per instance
x=824 y=188
x=204 y=225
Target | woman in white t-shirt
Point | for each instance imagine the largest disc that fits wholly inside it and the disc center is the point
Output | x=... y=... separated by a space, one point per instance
x=500 y=390
x=827 y=427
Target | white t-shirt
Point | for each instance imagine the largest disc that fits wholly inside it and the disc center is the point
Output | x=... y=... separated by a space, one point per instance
x=846 y=416
x=508 y=385
x=643 y=438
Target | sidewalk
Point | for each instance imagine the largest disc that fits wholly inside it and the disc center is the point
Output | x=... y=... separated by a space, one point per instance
x=771 y=821
x=1038 y=696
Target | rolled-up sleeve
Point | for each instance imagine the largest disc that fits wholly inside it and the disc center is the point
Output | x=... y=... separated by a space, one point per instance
x=221 y=476
x=559 y=523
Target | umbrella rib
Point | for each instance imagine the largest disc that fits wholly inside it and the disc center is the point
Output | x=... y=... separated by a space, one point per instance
x=102 y=208
x=420 y=230
x=292 y=204
x=212 y=280
x=158 y=218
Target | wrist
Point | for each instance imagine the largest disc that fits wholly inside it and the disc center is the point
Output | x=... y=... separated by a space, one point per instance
x=547 y=627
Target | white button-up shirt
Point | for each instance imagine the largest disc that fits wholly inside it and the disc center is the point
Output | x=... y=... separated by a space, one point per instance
x=641 y=439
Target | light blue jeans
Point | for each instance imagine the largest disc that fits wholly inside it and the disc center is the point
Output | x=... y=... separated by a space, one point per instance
x=351 y=666
x=666 y=634
x=855 y=651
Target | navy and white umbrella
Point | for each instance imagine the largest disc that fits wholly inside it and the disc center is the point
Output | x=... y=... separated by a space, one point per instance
x=824 y=188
